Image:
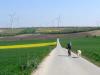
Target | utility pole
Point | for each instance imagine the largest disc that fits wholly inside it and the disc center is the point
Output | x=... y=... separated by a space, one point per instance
x=59 y=23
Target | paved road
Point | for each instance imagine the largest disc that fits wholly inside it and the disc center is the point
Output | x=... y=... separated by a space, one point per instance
x=58 y=63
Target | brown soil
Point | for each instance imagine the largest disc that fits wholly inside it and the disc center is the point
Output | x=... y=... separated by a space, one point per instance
x=44 y=36
x=95 y=32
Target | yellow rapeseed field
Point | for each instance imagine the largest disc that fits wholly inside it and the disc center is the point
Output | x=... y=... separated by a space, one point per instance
x=27 y=45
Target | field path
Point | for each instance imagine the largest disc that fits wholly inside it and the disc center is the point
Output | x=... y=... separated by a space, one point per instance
x=58 y=63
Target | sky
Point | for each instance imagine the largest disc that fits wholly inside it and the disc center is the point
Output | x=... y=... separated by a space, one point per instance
x=33 y=13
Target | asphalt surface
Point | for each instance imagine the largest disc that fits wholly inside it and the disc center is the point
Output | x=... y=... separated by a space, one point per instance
x=59 y=63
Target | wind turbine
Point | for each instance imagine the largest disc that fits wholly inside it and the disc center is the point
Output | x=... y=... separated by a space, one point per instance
x=12 y=21
x=59 y=21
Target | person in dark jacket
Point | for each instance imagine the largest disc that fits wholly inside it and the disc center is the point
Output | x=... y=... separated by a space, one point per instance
x=69 y=47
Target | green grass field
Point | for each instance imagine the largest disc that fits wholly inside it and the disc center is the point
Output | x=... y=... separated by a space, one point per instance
x=25 y=41
x=22 y=61
x=90 y=47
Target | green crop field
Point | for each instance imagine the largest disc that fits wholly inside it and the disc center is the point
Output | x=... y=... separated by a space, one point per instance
x=22 y=61
x=90 y=47
x=64 y=30
x=44 y=30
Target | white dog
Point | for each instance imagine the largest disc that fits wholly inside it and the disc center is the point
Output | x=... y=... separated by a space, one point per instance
x=79 y=52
